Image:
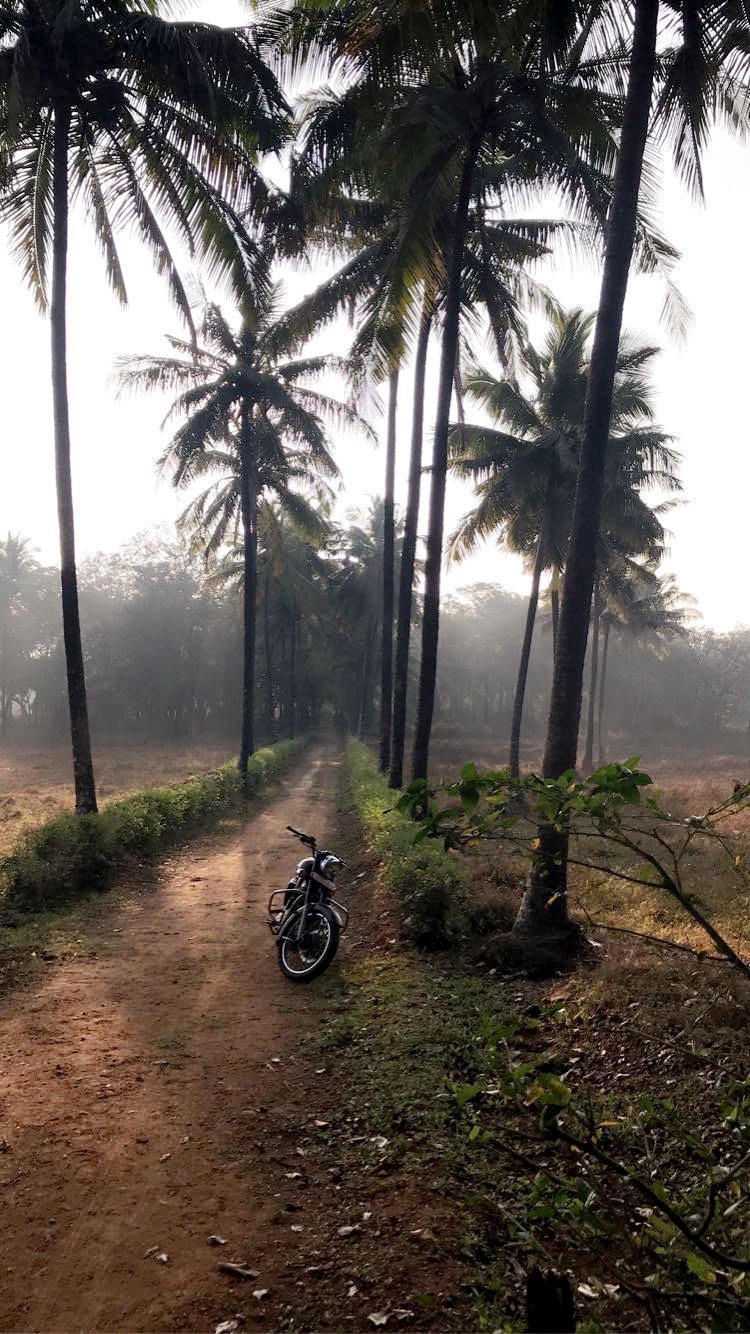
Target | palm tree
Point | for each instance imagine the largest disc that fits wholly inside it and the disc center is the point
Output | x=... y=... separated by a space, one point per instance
x=389 y=537
x=250 y=416
x=457 y=110
x=358 y=597
x=372 y=279
x=525 y=475
x=291 y=575
x=475 y=108
x=149 y=121
x=692 y=81
x=409 y=549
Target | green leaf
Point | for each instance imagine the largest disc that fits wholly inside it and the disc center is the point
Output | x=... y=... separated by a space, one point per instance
x=698 y=1265
x=464 y=1093
x=549 y=1091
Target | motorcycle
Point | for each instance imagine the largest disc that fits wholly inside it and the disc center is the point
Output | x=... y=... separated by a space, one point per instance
x=305 y=918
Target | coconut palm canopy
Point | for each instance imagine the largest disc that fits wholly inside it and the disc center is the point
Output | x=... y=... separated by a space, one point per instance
x=250 y=412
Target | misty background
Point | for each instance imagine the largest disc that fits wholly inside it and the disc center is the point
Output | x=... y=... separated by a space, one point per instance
x=700 y=395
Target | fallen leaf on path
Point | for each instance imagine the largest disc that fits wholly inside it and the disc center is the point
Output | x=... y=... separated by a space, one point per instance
x=586 y=1291
x=352 y=1290
x=378 y=1318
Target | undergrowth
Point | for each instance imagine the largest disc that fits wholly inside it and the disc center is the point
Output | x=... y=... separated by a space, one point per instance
x=464 y=1083
x=430 y=886
x=581 y=1127
x=75 y=854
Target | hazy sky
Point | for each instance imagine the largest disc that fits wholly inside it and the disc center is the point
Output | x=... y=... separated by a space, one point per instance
x=702 y=395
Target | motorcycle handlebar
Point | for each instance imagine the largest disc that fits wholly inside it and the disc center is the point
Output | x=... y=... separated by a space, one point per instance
x=310 y=841
x=305 y=838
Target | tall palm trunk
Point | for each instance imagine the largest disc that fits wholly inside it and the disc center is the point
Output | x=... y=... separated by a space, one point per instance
x=408 y=554
x=270 y=707
x=292 y=720
x=249 y=507
x=83 y=766
x=602 y=687
x=588 y=757
x=523 y=667
x=554 y=599
x=365 y=698
x=431 y=613
x=544 y=904
x=386 y=646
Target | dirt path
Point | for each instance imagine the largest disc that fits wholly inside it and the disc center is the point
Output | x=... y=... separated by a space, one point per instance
x=135 y=1088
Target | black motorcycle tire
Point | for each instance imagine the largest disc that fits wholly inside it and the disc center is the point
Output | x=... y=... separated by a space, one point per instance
x=322 y=962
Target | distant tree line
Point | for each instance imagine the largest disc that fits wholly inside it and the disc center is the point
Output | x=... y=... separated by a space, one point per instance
x=164 y=651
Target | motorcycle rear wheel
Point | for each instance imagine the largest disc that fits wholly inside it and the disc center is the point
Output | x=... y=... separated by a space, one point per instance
x=303 y=960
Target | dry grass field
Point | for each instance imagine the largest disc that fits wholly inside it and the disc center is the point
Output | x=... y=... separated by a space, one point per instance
x=36 y=780
x=688 y=784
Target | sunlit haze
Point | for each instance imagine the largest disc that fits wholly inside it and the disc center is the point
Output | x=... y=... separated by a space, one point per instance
x=701 y=394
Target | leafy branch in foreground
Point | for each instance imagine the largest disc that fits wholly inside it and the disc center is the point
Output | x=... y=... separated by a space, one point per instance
x=692 y=1231
x=613 y=828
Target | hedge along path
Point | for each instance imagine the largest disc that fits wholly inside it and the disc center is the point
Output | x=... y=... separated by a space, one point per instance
x=130 y=1089
x=75 y=854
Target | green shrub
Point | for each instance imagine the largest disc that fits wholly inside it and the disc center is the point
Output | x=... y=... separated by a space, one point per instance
x=430 y=885
x=77 y=853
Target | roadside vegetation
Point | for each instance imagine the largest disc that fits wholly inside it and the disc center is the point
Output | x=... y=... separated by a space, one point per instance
x=595 y=1124
x=71 y=856
x=418 y=167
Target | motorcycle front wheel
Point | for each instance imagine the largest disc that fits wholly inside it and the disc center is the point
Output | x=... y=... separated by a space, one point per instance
x=302 y=959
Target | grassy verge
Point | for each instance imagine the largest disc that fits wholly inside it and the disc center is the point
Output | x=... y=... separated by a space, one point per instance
x=455 y=1080
x=429 y=885
x=73 y=855
x=406 y=1033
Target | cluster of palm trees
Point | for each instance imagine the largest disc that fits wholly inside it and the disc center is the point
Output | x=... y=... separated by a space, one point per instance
x=525 y=479
x=415 y=163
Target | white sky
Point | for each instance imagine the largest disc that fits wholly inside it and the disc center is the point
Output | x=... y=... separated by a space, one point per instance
x=702 y=391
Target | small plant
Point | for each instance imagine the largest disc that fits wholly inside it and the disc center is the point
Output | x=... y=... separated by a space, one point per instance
x=616 y=826
x=75 y=854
